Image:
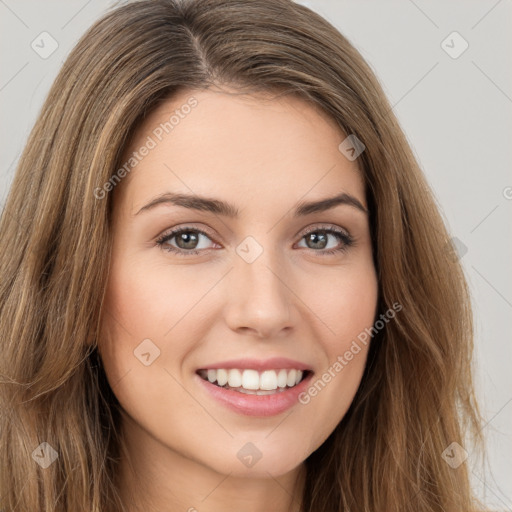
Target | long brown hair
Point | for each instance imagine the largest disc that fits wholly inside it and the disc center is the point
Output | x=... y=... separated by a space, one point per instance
x=416 y=396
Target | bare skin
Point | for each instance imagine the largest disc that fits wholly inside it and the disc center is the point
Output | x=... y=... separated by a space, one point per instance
x=264 y=155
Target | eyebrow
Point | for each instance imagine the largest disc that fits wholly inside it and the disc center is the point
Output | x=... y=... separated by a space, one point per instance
x=218 y=207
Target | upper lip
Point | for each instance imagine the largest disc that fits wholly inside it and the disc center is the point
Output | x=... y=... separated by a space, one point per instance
x=274 y=363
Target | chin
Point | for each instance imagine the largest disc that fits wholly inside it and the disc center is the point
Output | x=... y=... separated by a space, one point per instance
x=263 y=461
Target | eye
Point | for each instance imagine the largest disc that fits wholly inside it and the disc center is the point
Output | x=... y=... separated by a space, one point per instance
x=188 y=241
x=317 y=239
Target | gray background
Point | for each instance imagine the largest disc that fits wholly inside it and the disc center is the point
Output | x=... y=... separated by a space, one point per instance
x=456 y=112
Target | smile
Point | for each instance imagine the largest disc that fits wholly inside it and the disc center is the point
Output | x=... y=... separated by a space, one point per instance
x=254 y=382
x=250 y=392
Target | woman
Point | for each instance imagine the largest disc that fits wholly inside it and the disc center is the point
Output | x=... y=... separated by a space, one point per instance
x=225 y=282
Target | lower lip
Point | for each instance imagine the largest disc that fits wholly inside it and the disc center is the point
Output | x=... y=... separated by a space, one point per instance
x=256 y=405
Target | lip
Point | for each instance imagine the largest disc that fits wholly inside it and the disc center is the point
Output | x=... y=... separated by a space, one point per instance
x=255 y=405
x=274 y=363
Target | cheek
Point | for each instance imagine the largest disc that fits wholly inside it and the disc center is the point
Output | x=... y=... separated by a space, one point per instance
x=150 y=309
x=143 y=341
x=139 y=299
x=345 y=302
x=152 y=299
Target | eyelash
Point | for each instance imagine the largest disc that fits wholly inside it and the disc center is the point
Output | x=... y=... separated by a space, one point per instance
x=345 y=237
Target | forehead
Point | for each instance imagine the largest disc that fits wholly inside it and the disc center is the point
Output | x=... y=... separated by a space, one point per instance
x=235 y=145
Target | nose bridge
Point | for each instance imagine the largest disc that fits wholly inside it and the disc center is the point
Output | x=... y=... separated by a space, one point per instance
x=259 y=295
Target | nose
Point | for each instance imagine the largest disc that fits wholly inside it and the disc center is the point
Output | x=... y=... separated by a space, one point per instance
x=259 y=298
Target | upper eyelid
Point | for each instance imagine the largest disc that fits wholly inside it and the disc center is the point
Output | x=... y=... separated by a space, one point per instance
x=323 y=227
x=172 y=232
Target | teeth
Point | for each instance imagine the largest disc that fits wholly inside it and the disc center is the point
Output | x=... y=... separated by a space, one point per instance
x=234 y=378
x=222 y=377
x=252 y=381
x=268 y=380
x=292 y=375
x=282 y=377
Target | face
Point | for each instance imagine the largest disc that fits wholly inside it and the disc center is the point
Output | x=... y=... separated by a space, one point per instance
x=224 y=270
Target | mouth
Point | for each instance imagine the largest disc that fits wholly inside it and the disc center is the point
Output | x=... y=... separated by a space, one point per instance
x=254 y=382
